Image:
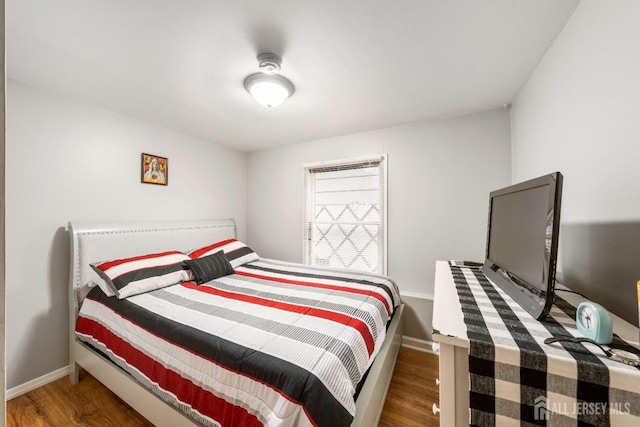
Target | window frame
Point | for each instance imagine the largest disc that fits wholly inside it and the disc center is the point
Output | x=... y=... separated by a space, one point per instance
x=308 y=190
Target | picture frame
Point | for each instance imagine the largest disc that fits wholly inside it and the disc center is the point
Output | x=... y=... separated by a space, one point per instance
x=154 y=169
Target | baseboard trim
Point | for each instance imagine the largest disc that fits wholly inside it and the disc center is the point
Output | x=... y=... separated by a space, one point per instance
x=418 y=344
x=37 y=382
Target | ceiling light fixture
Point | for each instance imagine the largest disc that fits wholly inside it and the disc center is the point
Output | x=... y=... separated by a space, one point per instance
x=267 y=87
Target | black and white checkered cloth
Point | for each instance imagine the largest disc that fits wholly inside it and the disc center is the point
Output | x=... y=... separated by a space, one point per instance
x=516 y=379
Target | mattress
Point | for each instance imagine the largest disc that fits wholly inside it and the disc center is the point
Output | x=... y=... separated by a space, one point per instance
x=275 y=343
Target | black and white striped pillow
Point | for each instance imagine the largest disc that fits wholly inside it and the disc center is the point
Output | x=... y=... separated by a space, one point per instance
x=236 y=252
x=210 y=267
x=135 y=275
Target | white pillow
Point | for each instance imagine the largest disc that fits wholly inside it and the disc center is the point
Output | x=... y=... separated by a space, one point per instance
x=236 y=252
x=135 y=275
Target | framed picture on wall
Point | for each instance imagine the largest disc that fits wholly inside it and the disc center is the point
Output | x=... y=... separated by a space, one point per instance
x=154 y=169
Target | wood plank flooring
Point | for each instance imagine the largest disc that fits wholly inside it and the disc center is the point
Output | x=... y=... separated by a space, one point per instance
x=60 y=404
x=412 y=391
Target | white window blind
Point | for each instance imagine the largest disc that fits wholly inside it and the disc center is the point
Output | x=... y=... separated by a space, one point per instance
x=345 y=214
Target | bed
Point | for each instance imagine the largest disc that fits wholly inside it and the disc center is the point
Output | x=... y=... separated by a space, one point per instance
x=265 y=343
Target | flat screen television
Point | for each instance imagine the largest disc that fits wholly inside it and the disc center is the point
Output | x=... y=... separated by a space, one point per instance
x=522 y=241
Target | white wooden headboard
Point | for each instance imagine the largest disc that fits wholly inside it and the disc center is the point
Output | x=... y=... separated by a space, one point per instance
x=91 y=242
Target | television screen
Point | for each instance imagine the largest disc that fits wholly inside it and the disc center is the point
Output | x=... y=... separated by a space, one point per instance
x=522 y=241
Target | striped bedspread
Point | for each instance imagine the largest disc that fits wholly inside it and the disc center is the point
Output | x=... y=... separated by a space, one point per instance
x=276 y=343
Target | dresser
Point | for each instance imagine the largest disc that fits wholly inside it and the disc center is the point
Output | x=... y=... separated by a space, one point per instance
x=496 y=370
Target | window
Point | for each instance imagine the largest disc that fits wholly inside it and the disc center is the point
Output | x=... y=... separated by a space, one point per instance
x=345 y=214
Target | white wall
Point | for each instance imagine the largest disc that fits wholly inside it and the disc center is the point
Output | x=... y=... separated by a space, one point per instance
x=3 y=81
x=579 y=113
x=67 y=161
x=440 y=173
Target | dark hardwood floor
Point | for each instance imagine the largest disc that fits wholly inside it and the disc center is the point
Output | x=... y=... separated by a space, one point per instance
x=411 y=394
x=412 y=391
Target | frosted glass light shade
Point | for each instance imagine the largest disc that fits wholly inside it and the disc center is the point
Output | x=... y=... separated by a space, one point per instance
x=268 y=90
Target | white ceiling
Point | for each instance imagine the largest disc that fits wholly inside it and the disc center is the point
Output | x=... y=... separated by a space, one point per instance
x=356 y=65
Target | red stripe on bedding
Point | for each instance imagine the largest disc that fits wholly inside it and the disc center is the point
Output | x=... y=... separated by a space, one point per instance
x=319 y=285
x=109 y=264
x=201 y=400
x=198 y=253
x=344 y=319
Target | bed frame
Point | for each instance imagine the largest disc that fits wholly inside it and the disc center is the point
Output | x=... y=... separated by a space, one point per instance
x=92 y=242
